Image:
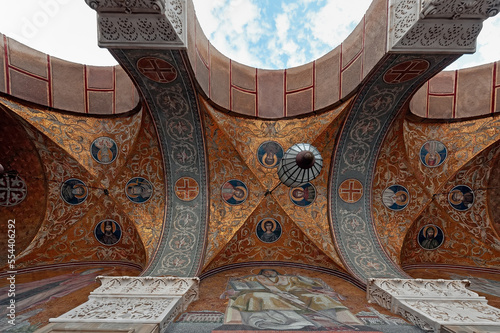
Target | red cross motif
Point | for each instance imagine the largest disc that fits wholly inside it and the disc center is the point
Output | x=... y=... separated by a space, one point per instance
x=186 y=188
x=406 y=71
x=156 y=69
x=351 y=190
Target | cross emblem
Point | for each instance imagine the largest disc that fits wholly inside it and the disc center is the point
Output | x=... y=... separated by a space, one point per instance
x=351 y=190
x=186 y=189
x=13 y=190
x=157 y=69
x=406 y=71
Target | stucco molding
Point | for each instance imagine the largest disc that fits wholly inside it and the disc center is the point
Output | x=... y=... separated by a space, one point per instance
x=448 y=26
x=135 y=300
x=431 y=304
x=153 y=24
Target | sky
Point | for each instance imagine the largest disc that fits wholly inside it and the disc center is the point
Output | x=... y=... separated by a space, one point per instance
x=271 y=34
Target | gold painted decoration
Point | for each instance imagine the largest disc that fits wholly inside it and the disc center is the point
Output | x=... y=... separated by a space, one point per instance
x=350 y=190
x=186 y=188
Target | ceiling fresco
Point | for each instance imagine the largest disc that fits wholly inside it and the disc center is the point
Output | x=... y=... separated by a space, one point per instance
x=233 y=148
x=433 y=160
x=99 y=171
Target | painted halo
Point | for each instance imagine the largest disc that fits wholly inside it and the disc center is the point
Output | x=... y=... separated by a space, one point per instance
x=270 y=154
x=461 y=197
x=74 y=191
x=430 y=241
x=234 y=192
x=107 y=236
x=396 y=197
x=303 y=195
x=139 y=190
x=271 y=235
x=104 y=150
x=433 y=153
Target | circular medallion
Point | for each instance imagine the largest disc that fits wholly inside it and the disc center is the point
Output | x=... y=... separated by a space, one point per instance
x=156 y=69
x=461 y=197
x=430 y=237
x=74 y=191
x=104 y=150
x=351 y=190
x=270 y=154
x=108 y=232
x=433 y=154
x=268 y=230
x=303 y=195
x=234 y=192
x=396 y=197
x=186 y=188
x=13 y=190
x=139 y=190
x=406 y=71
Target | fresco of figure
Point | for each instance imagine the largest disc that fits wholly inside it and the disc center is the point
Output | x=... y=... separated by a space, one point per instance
x=433 y=154
x=268 y=230
x=139 y=190
x=270 y=154
x=395 y=197
x=272 y=301
x=234 y=192
x=430 y=237
x=461 y=197
x=108 y=232
x=74 y=191
x=104 y=150
x=303 y=195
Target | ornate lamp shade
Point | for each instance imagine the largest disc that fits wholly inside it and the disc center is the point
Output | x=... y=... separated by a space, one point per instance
x=300 y=164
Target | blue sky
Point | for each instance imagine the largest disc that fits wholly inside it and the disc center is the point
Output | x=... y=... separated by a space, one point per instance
x=260 y=33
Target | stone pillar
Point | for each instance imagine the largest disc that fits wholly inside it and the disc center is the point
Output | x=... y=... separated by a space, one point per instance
x=145 y=304
x=435 y=305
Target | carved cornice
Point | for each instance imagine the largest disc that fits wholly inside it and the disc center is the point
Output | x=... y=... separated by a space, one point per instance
x=154 y=24
x=449 y=26
x=135 y=300
x=431 y=304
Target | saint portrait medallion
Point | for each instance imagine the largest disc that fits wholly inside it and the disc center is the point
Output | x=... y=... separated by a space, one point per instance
x=74 y=191
x=139 y=190
x=270 y=154
x=234 y=192
x=108 y=232
x=268 y=230
x=461 y=197
x=303 y=195
x=430 y=237
x=396 y=197
x=104 y=150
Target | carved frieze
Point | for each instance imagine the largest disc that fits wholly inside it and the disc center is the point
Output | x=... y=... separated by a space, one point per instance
x=154 y=24
x=135 y=300
x=450 y=26
x=431 y=304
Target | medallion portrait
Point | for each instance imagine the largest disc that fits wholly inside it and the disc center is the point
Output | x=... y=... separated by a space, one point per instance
x=270 y=154
x=433 y=154
x=461 y=197
x=139 y=190
x=303 y=195
x=74 y=191
x=268 y=230
x=104 y=150
x=396 y=197
x=430 y=237
x=108 y=232
x=234 y=192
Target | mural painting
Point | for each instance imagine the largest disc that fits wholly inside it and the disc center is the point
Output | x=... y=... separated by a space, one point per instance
x=139 y=189
x=268 y=230
x=270 y=154
x=108 y=232
x=396 y=197
x=433 y=154
x=74 y=191
x=430 y=237
x=303 y=195
x=272 y=301
x=234 y=192
x=461 y=197
x=104 y=150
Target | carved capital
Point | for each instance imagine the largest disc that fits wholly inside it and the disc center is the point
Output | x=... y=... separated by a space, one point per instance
x=154 y=24
x=450 y=26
